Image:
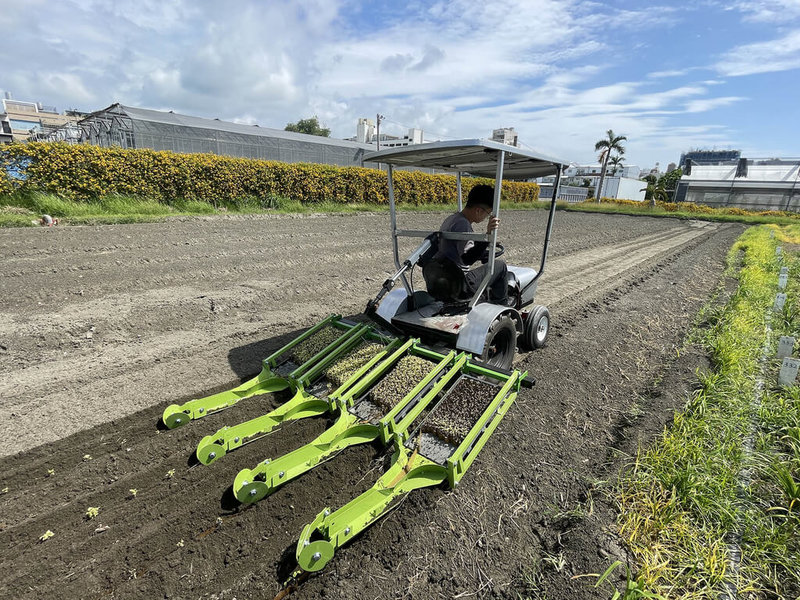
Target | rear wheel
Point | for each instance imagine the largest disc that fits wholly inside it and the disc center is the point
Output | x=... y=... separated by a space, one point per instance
x=537 y=327
x=501 y=342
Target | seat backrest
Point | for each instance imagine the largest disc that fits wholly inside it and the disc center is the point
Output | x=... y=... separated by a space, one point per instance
x=444 y=279
x=430 y=252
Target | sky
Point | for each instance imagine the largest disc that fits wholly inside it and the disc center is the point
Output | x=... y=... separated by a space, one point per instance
x=671 y=76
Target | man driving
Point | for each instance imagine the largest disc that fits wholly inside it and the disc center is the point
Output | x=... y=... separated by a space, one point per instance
x=463 y=253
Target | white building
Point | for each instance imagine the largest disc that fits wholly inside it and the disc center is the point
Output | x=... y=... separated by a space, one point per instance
x=366 y=134
x=752 y=184
x=506 y=135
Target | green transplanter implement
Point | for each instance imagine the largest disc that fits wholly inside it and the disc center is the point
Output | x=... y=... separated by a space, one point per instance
x=312 y=396
x=431 y=455
x=382 y=404
x=281 y=370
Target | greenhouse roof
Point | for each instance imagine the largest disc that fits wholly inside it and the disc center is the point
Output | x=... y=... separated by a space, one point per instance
x=172 y=118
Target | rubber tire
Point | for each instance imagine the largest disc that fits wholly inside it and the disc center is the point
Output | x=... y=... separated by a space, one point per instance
x=537 y=328
x=501 y=343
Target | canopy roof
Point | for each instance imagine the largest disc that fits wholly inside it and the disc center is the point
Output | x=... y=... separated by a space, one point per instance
x=476 y=157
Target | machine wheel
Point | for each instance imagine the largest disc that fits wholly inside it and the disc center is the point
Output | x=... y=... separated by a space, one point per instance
x=501 y=343
x=537 y=326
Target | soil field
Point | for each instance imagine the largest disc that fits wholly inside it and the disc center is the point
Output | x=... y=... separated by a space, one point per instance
x=102 y=327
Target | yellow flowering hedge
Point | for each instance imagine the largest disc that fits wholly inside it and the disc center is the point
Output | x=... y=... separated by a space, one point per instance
x=85 y=173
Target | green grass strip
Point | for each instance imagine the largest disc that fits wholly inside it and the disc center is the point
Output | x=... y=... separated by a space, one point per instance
x=22 y=209
x=681 y=503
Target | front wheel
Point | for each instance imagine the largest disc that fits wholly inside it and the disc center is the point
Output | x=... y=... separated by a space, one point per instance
x=537 y=327
x=501 y=343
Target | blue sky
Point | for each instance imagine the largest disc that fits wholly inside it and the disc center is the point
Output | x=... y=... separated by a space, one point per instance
x=671 y=77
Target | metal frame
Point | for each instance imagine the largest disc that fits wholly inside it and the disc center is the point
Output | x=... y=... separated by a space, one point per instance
x=447 y=156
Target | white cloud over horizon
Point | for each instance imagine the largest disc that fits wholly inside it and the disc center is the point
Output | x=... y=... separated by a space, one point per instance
x=461 y=68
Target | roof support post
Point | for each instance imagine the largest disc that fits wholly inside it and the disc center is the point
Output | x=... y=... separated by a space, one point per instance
x=498 y=185
x=393 y=213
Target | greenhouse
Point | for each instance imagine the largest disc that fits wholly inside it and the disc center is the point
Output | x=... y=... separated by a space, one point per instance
x=752 y=184
x=130 y=127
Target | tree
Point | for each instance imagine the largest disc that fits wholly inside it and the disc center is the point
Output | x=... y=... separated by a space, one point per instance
x=609 y=144
x=656 y=191
x=616 y=163
x=671 y=180
x=310 y=126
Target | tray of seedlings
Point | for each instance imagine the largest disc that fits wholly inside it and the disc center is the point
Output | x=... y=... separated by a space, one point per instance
x=446 y=426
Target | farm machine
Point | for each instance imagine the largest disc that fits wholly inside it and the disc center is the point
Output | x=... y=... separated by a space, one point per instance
x=428 y=376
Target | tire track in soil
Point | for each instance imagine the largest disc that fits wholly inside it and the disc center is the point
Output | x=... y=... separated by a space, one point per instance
x=244 y=551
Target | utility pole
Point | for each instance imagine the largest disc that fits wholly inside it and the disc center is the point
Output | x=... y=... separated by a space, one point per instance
x=378 y=119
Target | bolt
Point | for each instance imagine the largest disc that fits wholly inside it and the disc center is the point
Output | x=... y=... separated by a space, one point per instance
x=306 y=543
x=177 y=421
x=281 y=474
x=253 y=492
x=316 y=556
x=236 y=440
x=327 y=512
x=212 y=455
x=202 y=410
x=244 y=483
x=266 y=462
x=347 y=531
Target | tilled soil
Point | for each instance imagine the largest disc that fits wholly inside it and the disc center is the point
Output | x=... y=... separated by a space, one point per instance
x=102 y=327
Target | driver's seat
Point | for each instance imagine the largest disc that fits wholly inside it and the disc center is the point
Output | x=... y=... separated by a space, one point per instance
x=445 y=280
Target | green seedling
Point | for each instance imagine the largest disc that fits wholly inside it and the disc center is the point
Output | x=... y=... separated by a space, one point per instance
x=46 y=536
x=180 y=544
x=92 y=512
x=633 y=589
x=4 y=490
x=133 y=492
x=51 y=472
x=87 y=457
x=170 y=474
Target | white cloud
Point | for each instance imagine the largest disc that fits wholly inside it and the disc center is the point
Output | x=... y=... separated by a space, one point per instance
x=769 y=11
x=711 y=103
x=781 y=54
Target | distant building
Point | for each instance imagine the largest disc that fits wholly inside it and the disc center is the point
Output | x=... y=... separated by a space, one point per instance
x=21 y=120
x=752 y=184
x=130 y=127
x=506 y=135
x=710 y=157
x=622 y=183
x=366 y=134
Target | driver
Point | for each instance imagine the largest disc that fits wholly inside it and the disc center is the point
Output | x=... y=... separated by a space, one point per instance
x=465 y=252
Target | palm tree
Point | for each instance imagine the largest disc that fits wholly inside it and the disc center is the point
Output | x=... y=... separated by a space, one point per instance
x=612 y=143
x=616 y=163
x=656 y=191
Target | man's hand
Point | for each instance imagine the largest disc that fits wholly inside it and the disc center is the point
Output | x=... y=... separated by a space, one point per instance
x=494 y=223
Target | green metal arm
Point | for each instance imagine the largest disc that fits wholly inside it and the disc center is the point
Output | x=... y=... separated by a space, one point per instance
x=302 y=405
x=213 y=447
x=331 y=530
x=267 y=381
x=252 y=485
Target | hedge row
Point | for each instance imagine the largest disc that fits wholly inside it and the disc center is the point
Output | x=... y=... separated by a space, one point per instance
x=85 y=173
